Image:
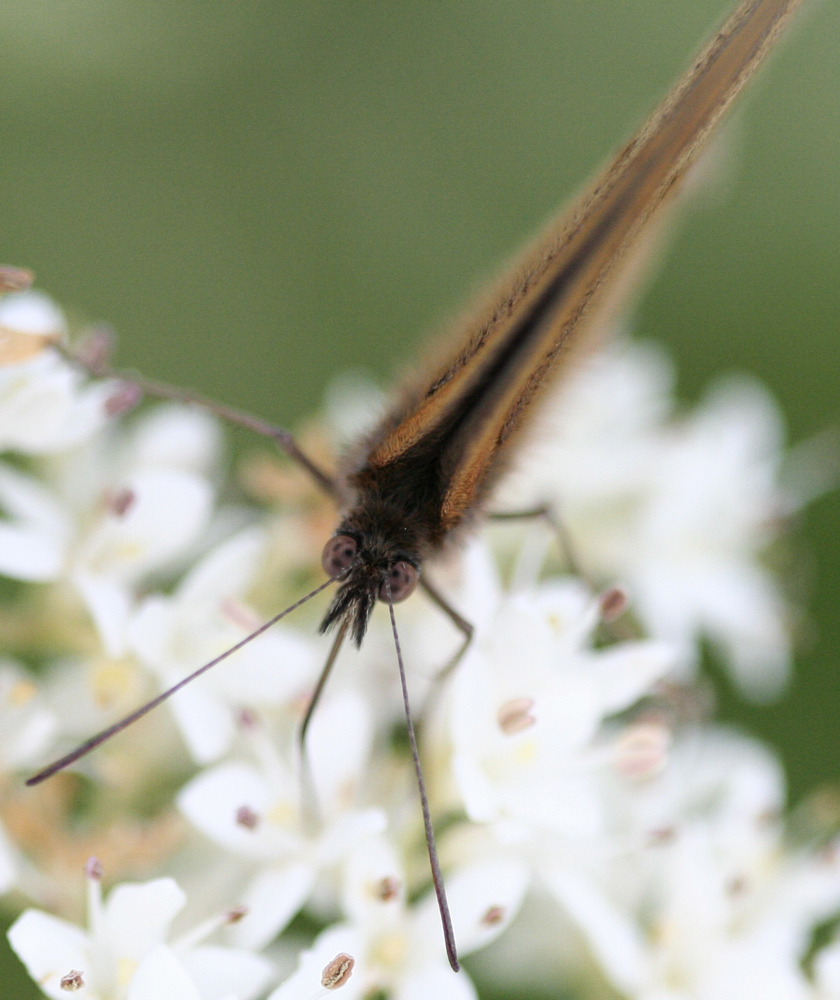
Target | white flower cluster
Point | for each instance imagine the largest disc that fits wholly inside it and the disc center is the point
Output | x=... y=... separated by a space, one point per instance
x=590 y=816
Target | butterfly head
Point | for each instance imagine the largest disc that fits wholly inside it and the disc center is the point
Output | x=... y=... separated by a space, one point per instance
x=366 y=568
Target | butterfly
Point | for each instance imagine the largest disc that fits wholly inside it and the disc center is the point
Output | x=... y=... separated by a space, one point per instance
x=427 y=471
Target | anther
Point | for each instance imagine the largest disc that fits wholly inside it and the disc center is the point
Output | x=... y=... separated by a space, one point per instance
x=96 y=349
x=613 y=603
x=15 y=279
x=247 y=718
x=642 y=750
x=94 y=869
x=120 y=503
x=245 y=816
x=72 y=981
x=515 y=715
x=338 y=971
x=125 y=397
x=388 y=888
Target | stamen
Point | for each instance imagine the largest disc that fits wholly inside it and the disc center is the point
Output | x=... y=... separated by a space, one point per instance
x=202 y=931
x=94 y=873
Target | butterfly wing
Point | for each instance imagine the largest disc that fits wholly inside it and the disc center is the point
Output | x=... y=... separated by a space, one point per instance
x=456 y=424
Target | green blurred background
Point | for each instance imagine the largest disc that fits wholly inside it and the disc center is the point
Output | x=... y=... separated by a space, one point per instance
x=259 y=195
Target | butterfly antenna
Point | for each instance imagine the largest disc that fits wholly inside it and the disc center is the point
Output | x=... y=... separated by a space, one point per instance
x=106 y=734
x=437 y=877
x=309 y=795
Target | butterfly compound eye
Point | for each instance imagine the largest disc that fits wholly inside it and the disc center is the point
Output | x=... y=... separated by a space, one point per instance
x=338 y=555
x=403 y=578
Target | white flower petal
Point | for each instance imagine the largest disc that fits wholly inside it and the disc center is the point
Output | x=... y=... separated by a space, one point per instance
x=374 y=864
x=109 y=603
x=339 y=744
x=271 y=900
x=27 y=727
x=827 y=972
x=10 y=862
x=138 y=915
x=227 y=571
x=305 y=983
x=29 y=501
x=211 y=801
x=180 y=437
x=25 y=554
x=206 y=724
x=49 y=948
x=169 y=510
x=612 y=935
x=33 y=542
x=152 y=630
x=271 y=670
x=218 y=972
x=160 y=976
x=438 y=981
x=623 y=673
x=483 y=899
x=46 y=408
x=32 y=312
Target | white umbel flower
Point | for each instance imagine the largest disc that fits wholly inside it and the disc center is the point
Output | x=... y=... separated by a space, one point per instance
x=388 y=946
x=101 y=528
x=680 y=510
x=46 y=405
x=127 y=952
x=710 y=903
x=526 y=707
x=174 y=634
x=256 y=811
x=27 y=728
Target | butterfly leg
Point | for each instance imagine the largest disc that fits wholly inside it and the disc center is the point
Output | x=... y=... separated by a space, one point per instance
x=546 y=513
x=163 y=390
x=613 y=600
x=464 y=627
